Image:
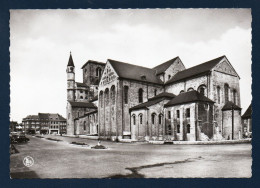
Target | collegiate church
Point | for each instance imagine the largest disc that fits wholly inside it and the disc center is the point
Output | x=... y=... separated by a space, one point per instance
x=119 y=100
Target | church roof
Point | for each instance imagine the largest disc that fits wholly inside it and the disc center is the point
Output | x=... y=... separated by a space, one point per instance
x=195 y=71
x=248 y=113
x=146 y=104
x=188 y=97
x=135 y=72
x=71 y=63
x=154 y=100
x=163 y=95
x=81 y=84
x=164 y=66
x=92 y=61
x=228 y=106
x=82 y=104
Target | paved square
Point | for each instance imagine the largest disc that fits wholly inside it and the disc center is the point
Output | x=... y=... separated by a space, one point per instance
x=61 y=159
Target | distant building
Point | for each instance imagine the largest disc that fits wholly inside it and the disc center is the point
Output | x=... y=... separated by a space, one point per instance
x=45 y=123
x=13 y=126
x=247 y=122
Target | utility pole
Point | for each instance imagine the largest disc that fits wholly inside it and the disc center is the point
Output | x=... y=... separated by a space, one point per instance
x=232 y=108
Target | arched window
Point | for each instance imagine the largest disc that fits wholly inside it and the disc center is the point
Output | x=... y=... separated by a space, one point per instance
x=169 y=77
x=153 y=118
x=202 y=89
x=134 y=120
x=178 y=129
x=235 y=96
x=188 y=128
x=113 y=98
x=190 y=89
x=101 y=98
x=126 y=94
x=155 y=92
x=81 y=97
x=84 y=125
x=140 y=95
x=182 y=91
x=141 y=119
x=218 y=95
x=160 y=119
x=107 y=96
x=226 y=88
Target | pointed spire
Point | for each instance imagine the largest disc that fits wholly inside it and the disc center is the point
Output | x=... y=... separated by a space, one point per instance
x=71 y=63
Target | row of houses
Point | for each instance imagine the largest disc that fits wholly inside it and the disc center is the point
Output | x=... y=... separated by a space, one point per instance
x=44 y=123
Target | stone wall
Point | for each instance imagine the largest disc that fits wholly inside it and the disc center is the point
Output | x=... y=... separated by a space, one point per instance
x=173 y=69
x=227 y=122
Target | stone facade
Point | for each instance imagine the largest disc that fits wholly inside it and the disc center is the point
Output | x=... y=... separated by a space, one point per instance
x=118 y=87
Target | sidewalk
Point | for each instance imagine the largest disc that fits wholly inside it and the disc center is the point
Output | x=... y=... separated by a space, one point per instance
x=93 y=140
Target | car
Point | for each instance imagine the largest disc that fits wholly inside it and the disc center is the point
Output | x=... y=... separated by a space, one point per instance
x=18 y=138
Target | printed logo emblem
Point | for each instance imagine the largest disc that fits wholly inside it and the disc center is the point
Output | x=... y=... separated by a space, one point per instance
x=28 y=161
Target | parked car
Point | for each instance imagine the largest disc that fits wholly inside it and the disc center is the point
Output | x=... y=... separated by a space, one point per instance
x=18 y=138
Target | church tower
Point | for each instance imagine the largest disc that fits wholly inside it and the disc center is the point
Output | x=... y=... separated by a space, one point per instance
x=70 y=80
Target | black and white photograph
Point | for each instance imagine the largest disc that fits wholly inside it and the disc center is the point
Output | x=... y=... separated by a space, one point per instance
x=130 y=93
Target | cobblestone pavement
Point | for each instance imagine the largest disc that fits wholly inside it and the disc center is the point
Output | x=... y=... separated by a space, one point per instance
x=61 y=159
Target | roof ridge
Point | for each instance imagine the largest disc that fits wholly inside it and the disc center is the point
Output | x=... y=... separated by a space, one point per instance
x=130 y=64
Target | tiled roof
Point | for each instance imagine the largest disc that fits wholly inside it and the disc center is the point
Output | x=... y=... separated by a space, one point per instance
x=163 y=95
x=196 y=70
x=92 y=61
x=43 y=116
x=71 y=63
x=146 y=104
x=61 y=118
x=188 y=97
x=134 y=72
x=248 y=113
x=82 y=104
x=81 y=84
x=164 y=66
x=228 y=106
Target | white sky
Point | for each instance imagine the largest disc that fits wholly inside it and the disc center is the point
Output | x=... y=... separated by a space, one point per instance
x=42 y=39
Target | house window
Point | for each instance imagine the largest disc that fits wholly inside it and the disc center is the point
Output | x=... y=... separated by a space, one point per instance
x=153 y=118
x=140 y=95
x=81 y=97
x=181 y=91
x=126 y=94
x=169 y=77
x=178 y=129
x=187 y=112
x=190 y=89
x=188 y=128
x=169 y=114
x=218 y=95
x=226 y=88
x=160 y=119
x=155 y=92
x=169 y=130
x=178 y=113
x=107 y=96
x=141 y=118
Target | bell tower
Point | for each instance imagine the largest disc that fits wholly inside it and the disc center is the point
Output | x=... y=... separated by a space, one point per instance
x=70 y=80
